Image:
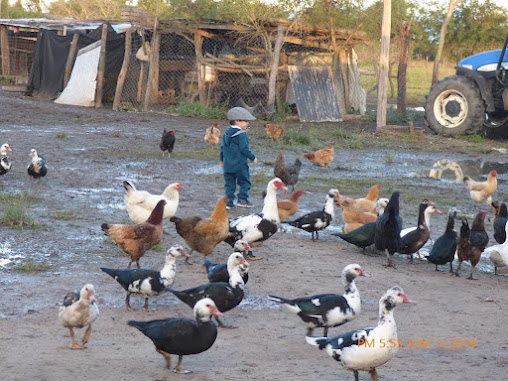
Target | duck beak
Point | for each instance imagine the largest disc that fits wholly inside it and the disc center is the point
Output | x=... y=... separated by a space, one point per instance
x=183 y=253
x=438 y=211
x=406 y=299
x=245 y=263
x=363 y=273
x=215 y=311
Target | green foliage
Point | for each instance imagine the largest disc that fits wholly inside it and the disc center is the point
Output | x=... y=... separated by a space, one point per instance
x=17 y=11
x=474 y=138
x=61 y=135
x=15 y=210
x=198 y=110
x=63 y=215
x=389 y=158
x=6 y=81
x=295 y=137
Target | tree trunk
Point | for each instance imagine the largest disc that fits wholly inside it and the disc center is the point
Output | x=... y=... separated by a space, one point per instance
x=442 y=36
x=274 y=68
x=123 y=71
x=405 y=33
x=383 y=65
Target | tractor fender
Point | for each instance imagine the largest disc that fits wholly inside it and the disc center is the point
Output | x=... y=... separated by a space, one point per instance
x=482 y=84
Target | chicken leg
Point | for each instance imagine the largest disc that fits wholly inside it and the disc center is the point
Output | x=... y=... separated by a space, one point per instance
x=87 y=335
x=390 y=262
x=145 y=307
x=357 y=378
x=178 y=368
x=373 y=374
x=167 y=356
x=127 y=303
x=74 y=344
x=458 y=268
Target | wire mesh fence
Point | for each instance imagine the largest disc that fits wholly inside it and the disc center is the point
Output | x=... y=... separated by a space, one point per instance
x=16 y=53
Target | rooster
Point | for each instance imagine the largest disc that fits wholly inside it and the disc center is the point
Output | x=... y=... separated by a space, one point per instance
x=322 y=157
x=37 y=167
x=472 y=242
x=275 y=132
x=203 y=235
x=482 y=190
x=139 y=204
x=287 y=173
x=167 y=142
x=136 y=239
x=212 y=135
x=5 y=162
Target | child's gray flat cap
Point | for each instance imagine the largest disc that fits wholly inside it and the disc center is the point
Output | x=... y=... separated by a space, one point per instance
x=239 y=113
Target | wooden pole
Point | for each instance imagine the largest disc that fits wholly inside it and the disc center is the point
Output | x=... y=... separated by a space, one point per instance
x=6 y=58
x=200 y=68
x=274 y=68
x=152 y=85
x=405 y=34
x=70 y=58
x=344 y=63
x=382 y=88
x=123 y=71
x=102 y=67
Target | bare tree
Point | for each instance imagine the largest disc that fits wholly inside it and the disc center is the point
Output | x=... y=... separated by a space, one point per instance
x=442 y=35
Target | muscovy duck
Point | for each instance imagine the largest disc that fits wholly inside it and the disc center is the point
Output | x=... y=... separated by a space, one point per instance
x=498 y=254
x=500 y=223
x=364 y=235
x=5 y=162
x=37 y=167
x=182 y=336
x=388 y=227
x=351 y=350
x=315 y=221
x=443 y=250
x=328 y=310
x=218 y=272
x=413 y=241
x=79 y=310
x=258 y=227
x=225 y=295
x=146 y=283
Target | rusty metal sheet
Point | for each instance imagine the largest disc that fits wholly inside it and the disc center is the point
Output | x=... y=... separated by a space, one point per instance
x=315 y=99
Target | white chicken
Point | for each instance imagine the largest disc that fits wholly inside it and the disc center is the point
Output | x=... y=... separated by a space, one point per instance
x=79 y=311
x=139 y=204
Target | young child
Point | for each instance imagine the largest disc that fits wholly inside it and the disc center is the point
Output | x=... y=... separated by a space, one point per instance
x=234 y=156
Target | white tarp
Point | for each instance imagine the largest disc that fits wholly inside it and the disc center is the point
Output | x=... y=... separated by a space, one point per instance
x=80 y=90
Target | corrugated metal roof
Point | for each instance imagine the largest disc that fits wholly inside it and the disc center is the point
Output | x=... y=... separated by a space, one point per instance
x=59 y=24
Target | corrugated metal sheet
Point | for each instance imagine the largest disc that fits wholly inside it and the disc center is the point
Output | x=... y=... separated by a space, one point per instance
x=315 y=99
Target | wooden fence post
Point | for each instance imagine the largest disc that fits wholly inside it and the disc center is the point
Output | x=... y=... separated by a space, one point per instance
x=102 y=67
x=152 y=85
x=123 y=72
x=70 y=58
x=274 y=68
x=384 y=59
x=6 y=58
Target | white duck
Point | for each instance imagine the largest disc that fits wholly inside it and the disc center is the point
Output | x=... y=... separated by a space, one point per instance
x=258 y=227
x=146 y=283
x=139 y=204
x=348 y=348
x=79 y=310
x=328 y=310
x=499 y=253
x=5 y=162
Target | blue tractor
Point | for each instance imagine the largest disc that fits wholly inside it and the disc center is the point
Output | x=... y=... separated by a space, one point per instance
x=476 y=96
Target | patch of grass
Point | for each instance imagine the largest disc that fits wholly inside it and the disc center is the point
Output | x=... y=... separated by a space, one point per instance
x=15 y=210
x=389 y=158
x=261 y=177
x=198 y=110
x=63 y=215
x=91 y=119
x=6 y=80
x=297 y=138
x=126 y=106
x=474 y=138
x=61 y=135
x=347 y=140
x=31 y=266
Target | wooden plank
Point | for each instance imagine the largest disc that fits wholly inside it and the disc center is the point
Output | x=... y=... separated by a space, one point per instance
x=6 y=57
x=152 y=85
x=123 y=71
x=70 y=58
x=176 y=65
x=102 y=67
x=14 y=88
x=384 y=58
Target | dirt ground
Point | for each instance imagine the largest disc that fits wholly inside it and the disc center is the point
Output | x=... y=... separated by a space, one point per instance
x=91 y=151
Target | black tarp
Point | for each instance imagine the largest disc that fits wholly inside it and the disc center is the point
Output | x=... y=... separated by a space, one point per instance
x=50 y=57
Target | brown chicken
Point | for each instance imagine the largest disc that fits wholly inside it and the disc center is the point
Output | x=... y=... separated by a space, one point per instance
x=322 y=157
x=482 y=190
x=287 y=173
x=212 y=135
x=203 y=235
x=472 y=242
x=289 y=207
x=137 y=239
x=354 y=217
x=274 y=131
x=365 y=204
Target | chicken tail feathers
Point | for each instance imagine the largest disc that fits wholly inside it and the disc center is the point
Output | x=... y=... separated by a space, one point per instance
x=278 y=299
